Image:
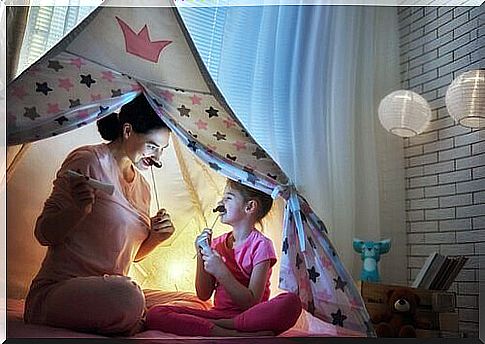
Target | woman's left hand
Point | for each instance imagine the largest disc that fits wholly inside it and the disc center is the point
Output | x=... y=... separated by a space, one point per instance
x=161 y=226
x=213 y=263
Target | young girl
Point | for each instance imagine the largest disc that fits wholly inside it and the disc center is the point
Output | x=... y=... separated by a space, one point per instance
x=237 y=265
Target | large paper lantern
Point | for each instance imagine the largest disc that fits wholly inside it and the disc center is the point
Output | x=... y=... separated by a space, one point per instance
x=404 y=113
x=465 y=99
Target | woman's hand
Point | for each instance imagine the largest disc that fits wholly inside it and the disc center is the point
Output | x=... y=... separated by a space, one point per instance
x=83 y=194
x=161 y=226
x=214 y=264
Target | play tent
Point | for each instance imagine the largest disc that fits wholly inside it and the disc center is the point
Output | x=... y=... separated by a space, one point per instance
x=111 y=57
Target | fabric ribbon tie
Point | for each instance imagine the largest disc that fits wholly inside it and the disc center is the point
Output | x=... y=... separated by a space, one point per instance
x=283 y=191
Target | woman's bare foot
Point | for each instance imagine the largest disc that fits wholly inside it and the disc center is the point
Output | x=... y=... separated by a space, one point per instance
x=218 y=331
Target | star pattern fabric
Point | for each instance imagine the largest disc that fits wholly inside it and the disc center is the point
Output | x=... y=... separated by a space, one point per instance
x=201 y=114
x=317 y=273
x=52 y=90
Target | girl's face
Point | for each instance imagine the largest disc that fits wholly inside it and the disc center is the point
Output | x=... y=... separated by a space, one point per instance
x=235 y=206
x=141 y=148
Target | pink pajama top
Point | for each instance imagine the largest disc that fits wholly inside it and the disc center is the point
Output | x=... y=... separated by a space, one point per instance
x=105 y=241
x=241 y=260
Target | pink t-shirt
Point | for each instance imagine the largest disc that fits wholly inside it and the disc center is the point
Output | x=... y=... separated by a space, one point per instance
x=241 y=260
x=107 y=240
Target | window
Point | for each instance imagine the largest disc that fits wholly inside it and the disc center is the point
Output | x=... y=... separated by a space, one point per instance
x=206 y=25
x=46 y=26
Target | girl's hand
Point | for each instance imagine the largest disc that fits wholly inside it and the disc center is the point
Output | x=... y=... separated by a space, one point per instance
x=205 y=235
x=83 y=194
x=214 y=264
x=161 y=226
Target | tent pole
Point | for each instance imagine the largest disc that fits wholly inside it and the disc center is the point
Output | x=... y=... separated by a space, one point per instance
x=188 y=182
x=16 y=160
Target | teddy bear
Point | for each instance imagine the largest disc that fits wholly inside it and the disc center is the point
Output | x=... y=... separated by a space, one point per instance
x=399 y=320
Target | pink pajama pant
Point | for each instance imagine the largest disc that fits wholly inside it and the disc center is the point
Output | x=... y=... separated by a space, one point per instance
x=277 y=315
x=97 y=304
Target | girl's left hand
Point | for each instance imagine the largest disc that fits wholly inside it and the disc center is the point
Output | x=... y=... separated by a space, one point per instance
x=161 y=226
x=213 y=263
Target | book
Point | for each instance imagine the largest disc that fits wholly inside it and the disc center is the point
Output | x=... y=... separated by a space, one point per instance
x=461 y=261
x=433 y=271
x=443 y=274
x=419 y=277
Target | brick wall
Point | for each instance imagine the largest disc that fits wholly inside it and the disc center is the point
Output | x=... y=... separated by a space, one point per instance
x=445 y=166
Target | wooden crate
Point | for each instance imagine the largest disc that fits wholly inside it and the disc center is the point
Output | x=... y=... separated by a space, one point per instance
x=436 y=308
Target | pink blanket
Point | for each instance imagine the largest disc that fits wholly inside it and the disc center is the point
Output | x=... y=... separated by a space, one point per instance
x=306 y=326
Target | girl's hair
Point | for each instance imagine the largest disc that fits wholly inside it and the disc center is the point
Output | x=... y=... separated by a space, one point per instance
x=265 y=202
x=139 y=113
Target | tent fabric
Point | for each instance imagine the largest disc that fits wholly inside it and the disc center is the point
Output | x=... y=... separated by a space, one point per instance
x=118 y=53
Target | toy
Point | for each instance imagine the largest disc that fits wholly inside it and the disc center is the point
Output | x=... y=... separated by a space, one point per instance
x=370 y=254
x=399 y=320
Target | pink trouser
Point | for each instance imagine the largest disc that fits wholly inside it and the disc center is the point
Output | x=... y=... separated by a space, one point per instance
x=98 y=304
x=277 y=315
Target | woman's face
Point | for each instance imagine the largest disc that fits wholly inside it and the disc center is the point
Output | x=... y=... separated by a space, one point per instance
x=141 y=148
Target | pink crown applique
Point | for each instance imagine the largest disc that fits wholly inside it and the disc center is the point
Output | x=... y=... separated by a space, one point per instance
x=139 y=44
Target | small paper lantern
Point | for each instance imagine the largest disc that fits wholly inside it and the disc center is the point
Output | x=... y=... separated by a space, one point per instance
x=465 y=99
x=404 y=113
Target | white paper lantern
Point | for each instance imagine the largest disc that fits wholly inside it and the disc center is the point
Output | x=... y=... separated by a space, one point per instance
x=404 y=113
x=465 y=99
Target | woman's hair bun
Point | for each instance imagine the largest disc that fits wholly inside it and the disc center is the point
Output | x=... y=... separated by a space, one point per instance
x=109 y=127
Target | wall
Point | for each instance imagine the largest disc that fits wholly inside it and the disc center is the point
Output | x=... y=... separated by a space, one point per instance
x=445 y=166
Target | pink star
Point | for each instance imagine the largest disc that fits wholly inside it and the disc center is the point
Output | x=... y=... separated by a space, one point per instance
x=107 y=76
x=355 y=303
x=19 y=92
x=229 y=122
x=167 y=95
x=95 y=97
x=324 y=295
x=201 y=124
x=34 y=70
x=53 y=108
x=136 y=87
x=83 y=114
x=65 y=84
x=195 y=99
x=78 y=62
x=327 y=263
x=239 y=145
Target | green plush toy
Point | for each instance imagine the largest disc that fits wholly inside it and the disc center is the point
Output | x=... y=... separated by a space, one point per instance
x=370 y=254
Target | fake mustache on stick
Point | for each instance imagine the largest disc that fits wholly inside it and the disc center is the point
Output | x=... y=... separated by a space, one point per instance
x=219 y=208
x=152 y=162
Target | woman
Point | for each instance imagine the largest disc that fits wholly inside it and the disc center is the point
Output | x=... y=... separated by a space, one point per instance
x=92 y=237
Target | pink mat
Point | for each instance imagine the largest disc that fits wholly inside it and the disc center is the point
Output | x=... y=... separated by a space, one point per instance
x=306 y=326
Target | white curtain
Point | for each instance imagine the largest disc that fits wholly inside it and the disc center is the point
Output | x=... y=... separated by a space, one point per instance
x=312 y=78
